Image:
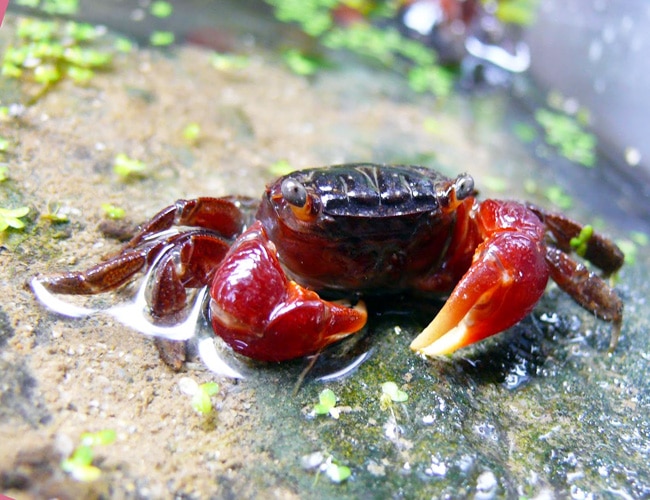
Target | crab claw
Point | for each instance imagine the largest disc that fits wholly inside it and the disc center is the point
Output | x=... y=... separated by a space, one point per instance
x=262 y=314
x=506 y=279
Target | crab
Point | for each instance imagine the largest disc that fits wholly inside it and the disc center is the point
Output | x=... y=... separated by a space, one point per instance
x=348 y=231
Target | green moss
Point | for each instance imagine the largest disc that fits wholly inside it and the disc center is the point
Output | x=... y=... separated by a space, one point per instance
x=568 y=137
x=45 y=52
x=385 y=46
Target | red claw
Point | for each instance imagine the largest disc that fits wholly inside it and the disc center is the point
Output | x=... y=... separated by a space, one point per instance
x=507 y=277
x=262 y=314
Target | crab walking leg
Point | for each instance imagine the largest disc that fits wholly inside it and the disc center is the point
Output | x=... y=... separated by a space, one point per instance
x=262 y=314
x=220 y=215
x=587 y=289
x=193 y=253
x=507 y=277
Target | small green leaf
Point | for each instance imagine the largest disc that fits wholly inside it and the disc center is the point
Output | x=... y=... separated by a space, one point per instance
x=191 y=132
x=113 y=212
x=434 y=79
x=127 y=167
x=81 y=32
x=327 y=404
x=565 y=134
x=11 y=71
x=337 y=473
x=210 y=388
x=580 y=243
x=300 y=63
x=46 y=74
x=80 y=75
x=161 y=9
x=161 y=38
x=123 y=45
x=201 y=402
x=4 y=173
x=61 y=7
x=391 y=390
x=82 y=455
x=10 y=217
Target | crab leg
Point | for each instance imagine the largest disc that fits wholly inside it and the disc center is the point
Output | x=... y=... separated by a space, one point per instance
x=587 y=289
x=221 y=215
x=507 y=277
x=262 y=314
x=185 y=248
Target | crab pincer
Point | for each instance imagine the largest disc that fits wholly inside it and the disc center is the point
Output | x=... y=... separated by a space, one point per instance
x=264 y=315
x=507 y=277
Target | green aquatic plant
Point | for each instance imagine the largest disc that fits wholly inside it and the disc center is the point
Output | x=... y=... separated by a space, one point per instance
x=201 y=394
x=54 y=7
x=580 y=242
x=313 y=16
x=46 y=52
x=386 y=46
x=192 y=132
x=521 y=12
x=80 y=463
x=327 y=404
x=128 y=168
x=161 y=38
x=391 y=393
x=10 y=218
x=113 y=212
x=55 y=214
x=302 y=64
x=337 y=472
x=568 y=137
x=202 y=398
x=161 y=9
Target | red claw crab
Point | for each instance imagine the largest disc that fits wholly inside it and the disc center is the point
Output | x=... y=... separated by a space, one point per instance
x=346 y=231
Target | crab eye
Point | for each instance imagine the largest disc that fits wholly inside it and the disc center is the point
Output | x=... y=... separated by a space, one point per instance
x=304 y=205
x=464 y=186
x=294 y=192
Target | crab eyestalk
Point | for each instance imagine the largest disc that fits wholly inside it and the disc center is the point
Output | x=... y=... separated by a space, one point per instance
x=303 y=204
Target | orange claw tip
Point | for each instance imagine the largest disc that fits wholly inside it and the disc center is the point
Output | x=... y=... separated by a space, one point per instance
x=433 y=342
x=347 y=319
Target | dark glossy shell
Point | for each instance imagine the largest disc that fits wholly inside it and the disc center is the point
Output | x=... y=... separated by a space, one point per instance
x=369 y=190
x=375 y=227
